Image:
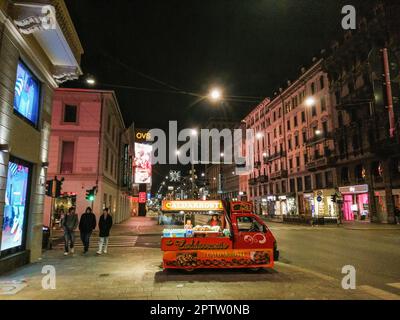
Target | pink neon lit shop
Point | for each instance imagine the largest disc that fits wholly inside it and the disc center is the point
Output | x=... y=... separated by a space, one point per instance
x=355 y=203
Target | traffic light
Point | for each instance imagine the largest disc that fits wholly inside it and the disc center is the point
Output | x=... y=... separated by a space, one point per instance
x=49 y=188
x=91 y=194
x=58 y=187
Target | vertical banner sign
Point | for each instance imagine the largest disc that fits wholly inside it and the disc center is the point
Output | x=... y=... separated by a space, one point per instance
x=142 y=197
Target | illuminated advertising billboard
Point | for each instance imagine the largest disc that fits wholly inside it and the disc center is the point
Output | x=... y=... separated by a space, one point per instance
x=27 y=94
x=15 y=206
x=142 y=163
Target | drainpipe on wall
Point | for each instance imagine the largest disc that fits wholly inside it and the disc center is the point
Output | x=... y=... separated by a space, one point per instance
x=100 y=138
x=389 y=96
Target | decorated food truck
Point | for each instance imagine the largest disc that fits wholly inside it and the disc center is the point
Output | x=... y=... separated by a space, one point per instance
x=216 y=234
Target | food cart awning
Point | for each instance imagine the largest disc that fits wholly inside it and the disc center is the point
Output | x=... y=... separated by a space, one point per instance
x=194 y=206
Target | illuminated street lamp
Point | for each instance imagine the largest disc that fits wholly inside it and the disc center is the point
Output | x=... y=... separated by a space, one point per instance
x=310 y=101
x=90 y=80
x=215 y=94
x=194 y=132
x=318 y=132
x=259 y=135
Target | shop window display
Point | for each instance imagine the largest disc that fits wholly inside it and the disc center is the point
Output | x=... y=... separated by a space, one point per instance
x=27 y=94
x=15 y=206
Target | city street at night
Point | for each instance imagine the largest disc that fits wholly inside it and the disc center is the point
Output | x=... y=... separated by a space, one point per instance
x=199 y=159
x=310 y=268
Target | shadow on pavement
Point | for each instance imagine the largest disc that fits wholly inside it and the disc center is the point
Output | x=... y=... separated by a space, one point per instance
x=220 y=275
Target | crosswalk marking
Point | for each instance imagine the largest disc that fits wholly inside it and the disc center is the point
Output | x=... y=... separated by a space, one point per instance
x=379 y=293
x=114 y=242
x=394 y=285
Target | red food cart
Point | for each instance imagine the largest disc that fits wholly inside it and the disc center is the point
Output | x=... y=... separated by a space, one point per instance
x=242 y=241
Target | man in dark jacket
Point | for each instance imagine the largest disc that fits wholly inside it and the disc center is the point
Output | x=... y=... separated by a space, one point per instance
x=86 y=226
x=105 y=224
x=69 y=223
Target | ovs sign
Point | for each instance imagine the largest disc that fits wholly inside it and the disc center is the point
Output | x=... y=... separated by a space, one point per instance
x=142 y=136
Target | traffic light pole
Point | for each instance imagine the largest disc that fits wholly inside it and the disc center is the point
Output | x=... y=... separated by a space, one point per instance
x=52 y=207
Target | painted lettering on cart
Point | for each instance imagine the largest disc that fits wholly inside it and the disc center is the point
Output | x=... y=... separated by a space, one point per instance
x=183 y=244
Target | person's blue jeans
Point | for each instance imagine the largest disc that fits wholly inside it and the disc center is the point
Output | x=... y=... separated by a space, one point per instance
x=85 y=237
x=69 y=239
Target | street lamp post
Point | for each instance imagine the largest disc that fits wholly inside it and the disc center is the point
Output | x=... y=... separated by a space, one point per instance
x=192 y=173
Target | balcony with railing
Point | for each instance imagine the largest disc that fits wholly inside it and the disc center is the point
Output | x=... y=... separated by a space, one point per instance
x=252 y=181
x=275 y=156
x=262 y=178
x=321 y=162
x=279 y=174
x=317 y=138
x=257 y=164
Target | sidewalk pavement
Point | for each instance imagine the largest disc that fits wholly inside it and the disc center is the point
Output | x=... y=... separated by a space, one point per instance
x=358 y=225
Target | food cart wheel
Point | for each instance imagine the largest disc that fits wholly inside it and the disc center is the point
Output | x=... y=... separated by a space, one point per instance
x=189 y=270
x=254 y=269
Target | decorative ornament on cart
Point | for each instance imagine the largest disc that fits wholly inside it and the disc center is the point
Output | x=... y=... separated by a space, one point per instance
x=257 y=238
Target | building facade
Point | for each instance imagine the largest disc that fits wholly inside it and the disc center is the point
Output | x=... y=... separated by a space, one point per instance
x=89 y=148
x=328 y=145
x=364 y=79
x=294 y=150
x=34 y=59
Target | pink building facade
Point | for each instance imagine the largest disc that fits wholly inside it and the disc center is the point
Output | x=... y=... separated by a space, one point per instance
x=294 y=151
x=88 y=145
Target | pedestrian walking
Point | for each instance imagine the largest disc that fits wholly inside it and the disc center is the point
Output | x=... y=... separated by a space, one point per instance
x=86 y=226
x=397 y=215
x=69 y=223
x=105 y=224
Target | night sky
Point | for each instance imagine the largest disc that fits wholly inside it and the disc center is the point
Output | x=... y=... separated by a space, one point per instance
x=246 y=47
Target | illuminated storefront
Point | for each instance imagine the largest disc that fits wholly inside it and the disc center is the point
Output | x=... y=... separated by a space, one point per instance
x=323 y=204
x=308 y=204
x=279 y=206
x=355 y=203
x=61 y=207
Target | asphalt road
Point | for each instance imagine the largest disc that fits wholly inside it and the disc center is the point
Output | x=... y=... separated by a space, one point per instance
x=375 y=254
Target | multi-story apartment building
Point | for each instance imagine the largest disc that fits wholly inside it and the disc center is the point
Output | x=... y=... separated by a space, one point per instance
x=367 y=135
x=34 y=59
x=294 y=150
x=89 y=148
